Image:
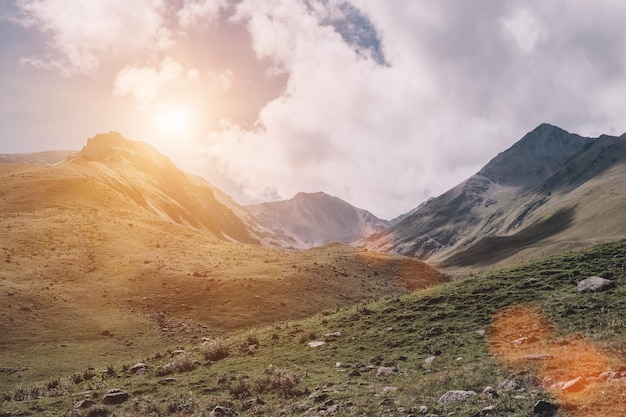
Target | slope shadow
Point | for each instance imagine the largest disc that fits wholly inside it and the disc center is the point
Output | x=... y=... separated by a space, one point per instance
x=492 y=249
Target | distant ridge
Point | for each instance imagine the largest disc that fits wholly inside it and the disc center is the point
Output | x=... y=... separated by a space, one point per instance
x=315 y=219
x=45 y=158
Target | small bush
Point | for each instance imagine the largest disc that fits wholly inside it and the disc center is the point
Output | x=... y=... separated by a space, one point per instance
x=180 y=404
x=53 y=383
x=182 y=363
x=283 y=382
x=305 y=337
x=98 y=411
x=239 y=389
x=215 y=350
x=20 y=393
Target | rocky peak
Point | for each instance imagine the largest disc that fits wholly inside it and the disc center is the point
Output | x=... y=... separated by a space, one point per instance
x=534 y=158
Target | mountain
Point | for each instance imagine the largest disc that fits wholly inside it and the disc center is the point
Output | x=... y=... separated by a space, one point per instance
x=314 y=219
x=549 y=191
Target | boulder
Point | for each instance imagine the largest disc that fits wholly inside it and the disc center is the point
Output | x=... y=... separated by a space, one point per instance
x=138 y=368
x=544 y=409
x=594 y=284
x=82 y=404
x=385 y=371
x=456 y=397
x=115 y=396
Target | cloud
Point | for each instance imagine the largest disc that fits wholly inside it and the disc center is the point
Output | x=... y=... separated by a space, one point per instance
x=144 y=83
x=459 y=83
x=85 y=33
x=195 y=13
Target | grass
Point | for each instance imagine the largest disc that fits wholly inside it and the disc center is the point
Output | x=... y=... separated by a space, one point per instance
x=438 y=339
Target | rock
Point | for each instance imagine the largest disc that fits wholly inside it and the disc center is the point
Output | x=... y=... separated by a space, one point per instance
x=608 y=376
x=138 y=368
x=429 y=360
x=386 y=371
x=538 y=357
x=423 y=409
x=115 y=396
x=594 y=284
x=456 y=397
x=490 y=392
x=169 y=380
x=510 y=385
x=316 y=343
x=544 y=409
x=177 y=352
x=387 y=390
x=333 y=334
x=220 y=411
x=480 y=332
x=82 y=404
x=354 y=372
x=574 y=385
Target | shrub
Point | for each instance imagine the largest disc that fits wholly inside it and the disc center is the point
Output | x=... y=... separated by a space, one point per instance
x=304 y=337
x=283 y=382
x=239 y=389
x=182 y=363
x=20 y=393
x=215 y=350
x=180 y=404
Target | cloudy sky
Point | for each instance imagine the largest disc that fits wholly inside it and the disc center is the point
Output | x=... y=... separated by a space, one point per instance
x=381 y=103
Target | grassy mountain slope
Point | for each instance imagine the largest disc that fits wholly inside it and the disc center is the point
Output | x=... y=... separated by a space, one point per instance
x=433 y=340
x=113 y=253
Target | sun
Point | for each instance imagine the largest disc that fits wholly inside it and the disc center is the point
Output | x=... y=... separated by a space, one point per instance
x=174 y=120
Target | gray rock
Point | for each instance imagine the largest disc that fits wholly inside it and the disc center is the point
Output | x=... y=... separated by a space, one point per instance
x=138 y=367
x=544 y=409
x=386 y=371
x=510 y=385
x=115 y=396
x=594 y=284
x=456 y=397
x=220 y=411
x=82 y=404
x=423 y=409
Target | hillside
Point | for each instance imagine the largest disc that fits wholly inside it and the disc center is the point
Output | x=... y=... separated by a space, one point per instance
x=115 y=252
x=549 y=192
x=314 y=219
x=36 y=158
x=509 y=338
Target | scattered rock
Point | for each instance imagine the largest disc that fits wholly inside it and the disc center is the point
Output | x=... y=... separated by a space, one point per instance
x=177 y=352
x=354 y=373
x=510 y=385
x=387 y=390
x=574 y=385
x=386 y=371
x=220 y=411
x=456 y=396
x=106 y=333
x=608 y=376
x=430 y=360
x=423 y=409
x=169 y=380
x=544 y=409
x=115 y=396
x=480 y=332
x=594 y=284
x=138 y=368
x=333 y=334
x=82 y=404
x=316 y=343
x=490 y=392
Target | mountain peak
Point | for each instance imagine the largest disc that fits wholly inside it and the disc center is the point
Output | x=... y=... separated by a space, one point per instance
x=539 y=154
x=112 y=147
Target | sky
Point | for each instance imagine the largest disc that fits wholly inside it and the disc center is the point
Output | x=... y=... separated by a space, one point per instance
x=381 y=103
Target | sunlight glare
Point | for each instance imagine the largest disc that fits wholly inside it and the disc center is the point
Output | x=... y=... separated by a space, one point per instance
x=174 y=121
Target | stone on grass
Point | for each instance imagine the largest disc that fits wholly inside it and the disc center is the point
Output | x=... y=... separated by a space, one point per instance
x=115 y=396
x=386 y=371
x=82 y=404
x=594 y=284
x=220 y=411
x=316 y=343
x=456 y=396
x=138 y=368
x=544 y=409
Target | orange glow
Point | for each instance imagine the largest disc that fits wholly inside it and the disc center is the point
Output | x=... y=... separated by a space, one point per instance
x=576 y=372
x=174 y=120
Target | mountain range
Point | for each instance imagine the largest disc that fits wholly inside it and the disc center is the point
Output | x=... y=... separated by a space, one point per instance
x=550 y=191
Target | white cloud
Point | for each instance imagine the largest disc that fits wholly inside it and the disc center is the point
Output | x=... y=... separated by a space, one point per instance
x=220 y=82
x=200 y=12
x=144 y=83
x=84 y=33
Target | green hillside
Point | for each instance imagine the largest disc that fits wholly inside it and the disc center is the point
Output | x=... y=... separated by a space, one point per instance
x=393 y=357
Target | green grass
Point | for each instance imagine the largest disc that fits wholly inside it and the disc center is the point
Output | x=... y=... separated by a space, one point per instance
x=282 y=375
